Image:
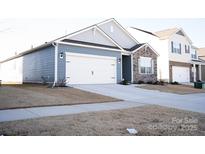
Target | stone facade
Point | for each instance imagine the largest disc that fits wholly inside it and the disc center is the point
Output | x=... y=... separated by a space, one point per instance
x=144 y=52
x=174 y=63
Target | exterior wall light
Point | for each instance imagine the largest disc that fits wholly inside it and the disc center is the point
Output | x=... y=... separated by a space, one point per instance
x=119 y=60
x=61 y=55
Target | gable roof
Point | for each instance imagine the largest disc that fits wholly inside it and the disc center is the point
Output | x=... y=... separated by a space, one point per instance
x=135 y=47
x=100 y=45
x=145 y=31
x=97 y=26
x=144 y=45
x=201 y=53
x=57 y=40
x=89 y=43
x=45 y=45
x=167 y=33
x=87 y=29
x=126 y=32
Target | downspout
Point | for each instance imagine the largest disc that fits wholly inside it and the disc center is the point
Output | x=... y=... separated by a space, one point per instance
x=55 y=64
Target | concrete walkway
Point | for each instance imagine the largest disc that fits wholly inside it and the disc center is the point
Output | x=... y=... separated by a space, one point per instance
x=134 y=97
x=37 y=112
x=190 y=102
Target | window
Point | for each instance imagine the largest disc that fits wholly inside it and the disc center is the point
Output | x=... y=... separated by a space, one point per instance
x=180 y=33
x=176 y=47
x=194 y=54
x=187 y=49
x=146 y=65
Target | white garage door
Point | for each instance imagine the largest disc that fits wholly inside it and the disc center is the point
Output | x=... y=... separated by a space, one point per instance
x=180 y=74
x=90 y=69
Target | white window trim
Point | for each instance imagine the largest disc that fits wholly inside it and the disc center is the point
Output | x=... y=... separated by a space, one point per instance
x=139 y=66
x=176 y=48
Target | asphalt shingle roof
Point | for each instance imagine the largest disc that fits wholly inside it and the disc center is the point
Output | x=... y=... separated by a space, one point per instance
x=165 y=34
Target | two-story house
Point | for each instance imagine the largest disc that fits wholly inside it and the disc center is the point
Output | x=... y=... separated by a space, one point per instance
x=201 y=55
x=178 y=60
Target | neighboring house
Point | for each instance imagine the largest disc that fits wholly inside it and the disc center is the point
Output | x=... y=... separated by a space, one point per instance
x=102 y=53
x=178 y=60
x=201 y=55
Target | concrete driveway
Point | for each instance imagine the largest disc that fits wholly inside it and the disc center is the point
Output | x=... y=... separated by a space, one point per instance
x=191 y=102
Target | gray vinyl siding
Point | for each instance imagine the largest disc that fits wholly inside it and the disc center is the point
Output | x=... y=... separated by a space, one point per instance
x=39 y=64
x=84 y=50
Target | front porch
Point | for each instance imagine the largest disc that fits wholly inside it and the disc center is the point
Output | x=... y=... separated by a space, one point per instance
x=127 y=68
x=195 y=71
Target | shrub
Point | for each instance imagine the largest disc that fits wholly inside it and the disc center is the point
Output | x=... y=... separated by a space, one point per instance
x=149 y=82
x=61 y=83
x=156 y=83
x=140 y=82
x=175 y=83
x=161 y=83
x=125 y=82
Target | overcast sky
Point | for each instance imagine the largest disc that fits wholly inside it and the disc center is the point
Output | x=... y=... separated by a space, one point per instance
x=17 y=35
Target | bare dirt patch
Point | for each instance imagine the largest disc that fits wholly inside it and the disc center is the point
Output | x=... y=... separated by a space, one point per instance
x=177 y=89
x=148 y=120
x=22 y=96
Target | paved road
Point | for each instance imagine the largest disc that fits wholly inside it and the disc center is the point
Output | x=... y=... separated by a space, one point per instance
x=37 y=112
x=191 y=102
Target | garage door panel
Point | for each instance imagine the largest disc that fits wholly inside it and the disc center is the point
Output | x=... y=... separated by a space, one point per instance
x=180 y=74
x=88 y=69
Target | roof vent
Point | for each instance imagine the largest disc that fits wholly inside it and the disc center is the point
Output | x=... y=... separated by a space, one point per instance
x=111 y=29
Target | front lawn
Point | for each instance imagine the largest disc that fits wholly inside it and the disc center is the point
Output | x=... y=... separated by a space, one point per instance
x=177 y=89
x=148 y=120
x=34 y=95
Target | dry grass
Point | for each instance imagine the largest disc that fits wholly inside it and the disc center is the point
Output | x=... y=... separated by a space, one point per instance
x=111 y=123
x=177 y=89
x=22 y=96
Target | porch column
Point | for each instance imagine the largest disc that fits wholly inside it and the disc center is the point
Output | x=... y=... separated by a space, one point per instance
x=200 y=72
x=132 y=68
x=194 y=72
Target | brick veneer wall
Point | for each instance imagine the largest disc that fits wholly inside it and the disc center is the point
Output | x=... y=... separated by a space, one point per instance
x=144 y=77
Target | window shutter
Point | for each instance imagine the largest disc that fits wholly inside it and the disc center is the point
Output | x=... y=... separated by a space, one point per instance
x=180 y=47
x=188 y=49
x=172 y=45
x=139 y=67
x=185 y=49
